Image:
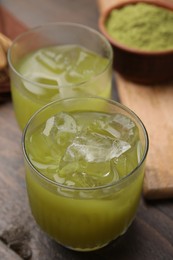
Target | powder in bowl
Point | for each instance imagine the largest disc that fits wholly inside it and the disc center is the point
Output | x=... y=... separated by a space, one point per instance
x=142 y=26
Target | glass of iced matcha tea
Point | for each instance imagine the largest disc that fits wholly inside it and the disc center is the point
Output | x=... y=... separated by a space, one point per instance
x=85 y=160
x=57 y=61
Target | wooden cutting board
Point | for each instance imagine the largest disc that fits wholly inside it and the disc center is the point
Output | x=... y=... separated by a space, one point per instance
x=154 y=105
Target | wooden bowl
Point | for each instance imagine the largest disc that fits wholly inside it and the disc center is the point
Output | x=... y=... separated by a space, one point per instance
x=148 y=67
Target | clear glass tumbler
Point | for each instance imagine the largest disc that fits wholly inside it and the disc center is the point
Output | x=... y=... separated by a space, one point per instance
x=95 y=205
x=47 y=63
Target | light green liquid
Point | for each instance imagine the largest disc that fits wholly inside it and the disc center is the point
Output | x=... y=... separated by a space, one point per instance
x=58 y=72
x=85 y=152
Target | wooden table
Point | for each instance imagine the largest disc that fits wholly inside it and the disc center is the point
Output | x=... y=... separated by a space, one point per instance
x=151 y=235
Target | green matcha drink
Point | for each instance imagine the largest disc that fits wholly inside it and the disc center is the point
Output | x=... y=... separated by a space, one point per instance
x=84 y=170
x=57 y=64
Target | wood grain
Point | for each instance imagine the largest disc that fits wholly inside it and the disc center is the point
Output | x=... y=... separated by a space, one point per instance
x=154 y=105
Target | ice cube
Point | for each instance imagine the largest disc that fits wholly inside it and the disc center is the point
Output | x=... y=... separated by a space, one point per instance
x=61 y=128
x=95 y=147
x=56 y=134
x=47 y=59
x=90 y=63
x=46 y=92
x=114 y=132
x=91 y=147
x=65 y=122
x=92 y=123
x=127 y=161
x=119 y=147
x=85 y=174
x=87 y=158
x=48 y=126
x=119 y=166
x=124 y=121
x=73 y=77
x=99 y=124
x=45 y=156
x=124 y=128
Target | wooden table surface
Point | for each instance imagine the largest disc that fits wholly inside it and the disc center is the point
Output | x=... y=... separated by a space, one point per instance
x=151 y=235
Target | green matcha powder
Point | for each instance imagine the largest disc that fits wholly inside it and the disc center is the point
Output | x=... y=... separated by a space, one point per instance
x=142 y=26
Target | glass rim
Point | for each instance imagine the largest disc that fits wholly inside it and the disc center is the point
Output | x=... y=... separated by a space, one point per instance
x=65 y=24
x=115 y=183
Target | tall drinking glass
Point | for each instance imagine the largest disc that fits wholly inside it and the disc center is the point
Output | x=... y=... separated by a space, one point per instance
x=85 y=160
x=57 y=61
